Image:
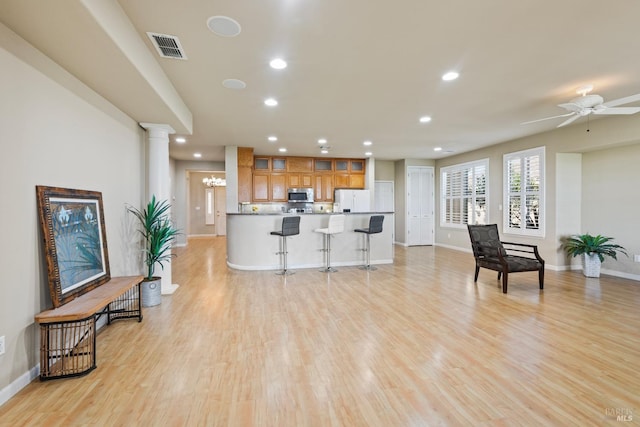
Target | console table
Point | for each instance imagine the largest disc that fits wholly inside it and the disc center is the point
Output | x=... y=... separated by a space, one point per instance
x=68 y=333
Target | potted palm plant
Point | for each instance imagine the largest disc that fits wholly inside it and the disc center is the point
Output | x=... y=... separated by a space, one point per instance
x=593 y=250
x=157 y=233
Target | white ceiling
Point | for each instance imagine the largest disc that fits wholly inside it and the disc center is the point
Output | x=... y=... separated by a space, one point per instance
x=358 y=69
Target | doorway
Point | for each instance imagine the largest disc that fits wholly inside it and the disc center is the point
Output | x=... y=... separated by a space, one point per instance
x=206 y=204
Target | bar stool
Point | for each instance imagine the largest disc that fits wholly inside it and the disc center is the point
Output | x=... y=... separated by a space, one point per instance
x=375 y=226
x=290 y=227
x=336 y=225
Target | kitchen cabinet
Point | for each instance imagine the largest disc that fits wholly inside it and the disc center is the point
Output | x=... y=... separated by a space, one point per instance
x=278 y=164
x=300 y=164
x=271 y=176
x=347 y=180
x=262 y=164
x=323 y=187
x=300 y=180
x=245 y=174
x=323 y=165
x=278 y=187
x=261 y=187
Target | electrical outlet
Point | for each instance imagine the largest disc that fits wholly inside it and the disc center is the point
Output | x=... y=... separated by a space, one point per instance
x=2 y=345
x=636 y=258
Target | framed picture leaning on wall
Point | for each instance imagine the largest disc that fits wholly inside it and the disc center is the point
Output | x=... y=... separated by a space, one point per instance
x=75 y=244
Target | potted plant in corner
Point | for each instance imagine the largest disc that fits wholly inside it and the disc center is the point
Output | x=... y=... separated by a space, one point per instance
x=593 y=249
x=158 y=233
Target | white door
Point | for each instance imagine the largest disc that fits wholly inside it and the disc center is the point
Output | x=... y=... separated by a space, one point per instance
x=221 y=210
x=420 y=202
x=384 y=196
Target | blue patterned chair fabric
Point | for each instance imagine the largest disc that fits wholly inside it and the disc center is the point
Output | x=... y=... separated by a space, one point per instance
x=503 y=257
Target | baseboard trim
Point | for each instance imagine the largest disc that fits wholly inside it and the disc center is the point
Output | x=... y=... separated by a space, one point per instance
x=21 y=382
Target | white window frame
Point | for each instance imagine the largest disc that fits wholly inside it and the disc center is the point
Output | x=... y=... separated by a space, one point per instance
x=524 y=194
x=468 y=168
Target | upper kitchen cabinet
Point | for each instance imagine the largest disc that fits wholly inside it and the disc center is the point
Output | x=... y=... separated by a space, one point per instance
x=278 y=164
x=348 y=180
x=261 y=187
x=300 y=164
x=300 y=180
x=323 y=165
x=262 y=164
x=349 y=166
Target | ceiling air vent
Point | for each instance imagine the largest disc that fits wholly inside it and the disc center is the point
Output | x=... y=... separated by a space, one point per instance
x=167 y=46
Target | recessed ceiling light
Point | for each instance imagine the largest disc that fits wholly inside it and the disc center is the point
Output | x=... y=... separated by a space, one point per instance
x=367 y=143
x=437 y=149
x=224 y=26
x=425 y=119
x=278 y=63
x=271 y=102
x=322 y=141
x=234 y=84
x=282 y=150
x=368 y=153
x=272 y=138
x=181 y=140
x=451 y=75
x=197 y=155
x=324 y=151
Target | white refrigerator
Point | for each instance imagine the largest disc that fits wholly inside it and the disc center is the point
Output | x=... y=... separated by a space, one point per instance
x=354 y=200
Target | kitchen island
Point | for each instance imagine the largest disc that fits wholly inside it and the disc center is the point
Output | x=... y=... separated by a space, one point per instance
x=250 y=246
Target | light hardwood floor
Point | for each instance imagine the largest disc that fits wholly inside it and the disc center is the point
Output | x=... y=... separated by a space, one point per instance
x=415 y=343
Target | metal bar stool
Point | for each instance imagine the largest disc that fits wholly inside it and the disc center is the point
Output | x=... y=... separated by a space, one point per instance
x=290 y=227
x=336 y=225
x=375 y=226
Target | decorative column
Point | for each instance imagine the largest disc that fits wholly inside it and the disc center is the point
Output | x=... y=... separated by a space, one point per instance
x=159 y=182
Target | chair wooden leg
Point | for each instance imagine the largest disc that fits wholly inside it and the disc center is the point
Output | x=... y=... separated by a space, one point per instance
x=504 y=282
x=541 y=277
x=475 y=277
x=499 y=274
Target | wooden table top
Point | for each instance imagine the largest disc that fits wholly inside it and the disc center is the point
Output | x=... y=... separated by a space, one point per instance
x=86 y=305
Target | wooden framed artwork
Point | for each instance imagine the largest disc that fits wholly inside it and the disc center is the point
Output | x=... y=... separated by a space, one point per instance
x=75 y=243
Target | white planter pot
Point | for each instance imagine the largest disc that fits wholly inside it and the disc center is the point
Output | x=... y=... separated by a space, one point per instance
x=151 y=292
x=591 y=265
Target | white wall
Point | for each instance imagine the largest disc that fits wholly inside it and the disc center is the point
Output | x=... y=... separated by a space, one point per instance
x=611 y=202
x=54 y=131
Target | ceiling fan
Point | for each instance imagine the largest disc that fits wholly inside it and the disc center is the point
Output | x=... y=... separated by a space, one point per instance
x=592 y=104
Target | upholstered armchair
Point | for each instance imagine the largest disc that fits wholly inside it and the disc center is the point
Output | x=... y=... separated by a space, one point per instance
x=503 y=257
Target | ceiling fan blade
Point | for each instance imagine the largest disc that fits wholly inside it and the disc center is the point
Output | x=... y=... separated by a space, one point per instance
x=570 y=120
x=617 y=110
x=572 y=106
x=622 y=101
x=547 y=118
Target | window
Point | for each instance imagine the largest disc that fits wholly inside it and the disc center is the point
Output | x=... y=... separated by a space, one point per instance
x=465 y=194
x=524 y=192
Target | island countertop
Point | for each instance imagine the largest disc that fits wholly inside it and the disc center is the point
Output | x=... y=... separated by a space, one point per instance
x=309 y=213
x=250 y=246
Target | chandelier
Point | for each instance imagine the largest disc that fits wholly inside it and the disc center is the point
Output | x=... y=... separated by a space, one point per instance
x=214 y=182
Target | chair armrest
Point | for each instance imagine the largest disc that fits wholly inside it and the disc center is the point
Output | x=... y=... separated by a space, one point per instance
x=533 y=249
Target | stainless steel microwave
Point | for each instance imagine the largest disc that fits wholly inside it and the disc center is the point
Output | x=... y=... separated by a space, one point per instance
x=300 y=195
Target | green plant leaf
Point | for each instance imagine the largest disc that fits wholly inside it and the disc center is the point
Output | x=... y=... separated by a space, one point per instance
x=157 y=231
x=588 y=244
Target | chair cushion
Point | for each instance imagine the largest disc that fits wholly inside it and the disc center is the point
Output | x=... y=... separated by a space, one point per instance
x=518 y=263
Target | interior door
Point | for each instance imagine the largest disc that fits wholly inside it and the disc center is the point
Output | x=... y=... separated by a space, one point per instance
x=221 y=210
x=420 y=204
